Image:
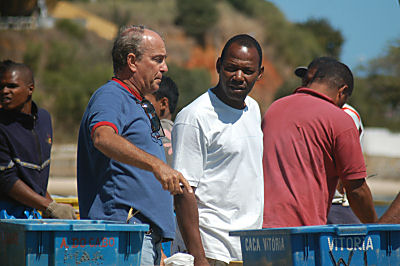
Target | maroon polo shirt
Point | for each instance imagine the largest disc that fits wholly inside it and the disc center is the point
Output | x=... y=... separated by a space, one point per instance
x=309 y=143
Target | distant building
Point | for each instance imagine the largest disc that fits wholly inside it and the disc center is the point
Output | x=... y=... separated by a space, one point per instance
x=381 y=142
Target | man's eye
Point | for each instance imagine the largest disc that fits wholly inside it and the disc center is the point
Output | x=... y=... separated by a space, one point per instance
x=230 y=69
x=249 y=72
x=10 y=86
x=159 y=59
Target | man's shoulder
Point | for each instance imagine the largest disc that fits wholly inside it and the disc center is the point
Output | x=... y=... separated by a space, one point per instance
x=110 y=93
x=196 y=113
x=252 y=103
x=43 y=113
x=195 y=108
x=109 y=87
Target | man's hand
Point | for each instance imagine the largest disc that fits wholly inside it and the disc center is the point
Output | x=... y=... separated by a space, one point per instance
x=171 y=179
x=340 y=187
x=201 y=262
x=60 y=211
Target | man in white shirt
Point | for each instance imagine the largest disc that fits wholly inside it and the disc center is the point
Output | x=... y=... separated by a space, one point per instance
x=217 y=143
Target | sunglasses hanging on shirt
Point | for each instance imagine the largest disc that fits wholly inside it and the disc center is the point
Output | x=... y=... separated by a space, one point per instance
x=152 y=115
x=155 y=122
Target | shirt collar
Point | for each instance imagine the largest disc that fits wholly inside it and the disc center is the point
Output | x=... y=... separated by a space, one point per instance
x=27 y=120
x=313 y=93
x=125 y=86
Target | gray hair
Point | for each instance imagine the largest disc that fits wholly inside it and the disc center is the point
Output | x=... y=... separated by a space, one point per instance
x=129 y=40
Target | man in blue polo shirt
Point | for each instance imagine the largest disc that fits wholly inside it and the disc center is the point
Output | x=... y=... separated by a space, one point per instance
x=122 y=174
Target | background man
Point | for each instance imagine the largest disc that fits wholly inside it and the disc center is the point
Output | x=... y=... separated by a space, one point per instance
x=340 y=211
x=165 y=101
x=121 y=161
x=309 y=143
x=217 y=144
x=25 y=145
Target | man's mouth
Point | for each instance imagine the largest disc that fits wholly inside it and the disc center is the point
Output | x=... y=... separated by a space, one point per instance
x=238 y=88
x=5 y=100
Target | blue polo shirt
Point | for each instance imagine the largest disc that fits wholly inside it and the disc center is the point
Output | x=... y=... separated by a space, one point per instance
x=108 y=188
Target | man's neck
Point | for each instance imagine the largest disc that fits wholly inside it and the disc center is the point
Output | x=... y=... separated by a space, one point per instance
x=325 y=90
x=128 y=80
x=131 y=87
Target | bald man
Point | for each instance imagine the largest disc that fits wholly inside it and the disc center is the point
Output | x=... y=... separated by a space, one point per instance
x=122 y=172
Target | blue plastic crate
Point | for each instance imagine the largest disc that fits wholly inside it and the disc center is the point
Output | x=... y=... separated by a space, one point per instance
x=322 y=245
x=70 y=242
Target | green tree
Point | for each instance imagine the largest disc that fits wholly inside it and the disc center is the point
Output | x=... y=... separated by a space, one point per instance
x=377 y=95
x=292 y=44
x=330 y=39
x=196 y=17
x=191 y=83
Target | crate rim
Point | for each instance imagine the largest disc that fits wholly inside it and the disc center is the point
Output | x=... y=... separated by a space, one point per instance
x=351 y=229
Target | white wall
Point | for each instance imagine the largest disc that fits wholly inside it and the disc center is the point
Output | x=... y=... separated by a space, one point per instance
x=381 y=142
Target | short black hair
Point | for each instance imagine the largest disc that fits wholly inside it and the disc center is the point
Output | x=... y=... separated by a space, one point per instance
x=8 y=65
x=168 y=89
x=244 y=40
x=334 y=73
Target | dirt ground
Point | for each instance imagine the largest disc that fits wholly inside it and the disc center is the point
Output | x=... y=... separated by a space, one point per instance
x=385 y=190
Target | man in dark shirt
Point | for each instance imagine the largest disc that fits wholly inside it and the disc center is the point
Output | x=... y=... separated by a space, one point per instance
x=25 y=145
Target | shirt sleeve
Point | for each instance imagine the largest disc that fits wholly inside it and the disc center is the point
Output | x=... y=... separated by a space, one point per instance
x=188 y=144
x=348 y=155
x=8 y=170
x=106 y=109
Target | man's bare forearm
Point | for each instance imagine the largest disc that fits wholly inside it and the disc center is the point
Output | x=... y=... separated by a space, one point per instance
x=360 y=199
x=22 y=193
x=187 y=216
x=392 y=215
x=120 y=149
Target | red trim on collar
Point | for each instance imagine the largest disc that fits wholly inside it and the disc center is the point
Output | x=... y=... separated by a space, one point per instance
x=120 y=82
x=313 y=93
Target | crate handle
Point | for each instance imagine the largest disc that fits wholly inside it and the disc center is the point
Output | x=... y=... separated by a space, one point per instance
x=351 y=230
x=88 y=227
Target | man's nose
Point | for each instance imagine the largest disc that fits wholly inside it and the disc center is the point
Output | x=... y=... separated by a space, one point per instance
x=164 y=67
x=239 y=75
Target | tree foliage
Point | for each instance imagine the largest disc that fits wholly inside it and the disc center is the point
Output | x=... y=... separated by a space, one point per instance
x=377 y=95
x=292 y=44
x=330 y=39
x=191 y=83
x=196 y=17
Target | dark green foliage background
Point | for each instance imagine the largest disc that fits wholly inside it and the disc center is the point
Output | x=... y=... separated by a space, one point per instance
x=69 y=67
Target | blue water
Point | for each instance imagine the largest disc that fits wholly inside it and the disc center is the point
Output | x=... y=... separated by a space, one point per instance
x=380 y=209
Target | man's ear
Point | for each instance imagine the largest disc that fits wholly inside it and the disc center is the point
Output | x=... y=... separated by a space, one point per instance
x=131 y=61
x=218 y=65
x=164 y=106
x=344 y=90
x=261 y=73
x=31 y=89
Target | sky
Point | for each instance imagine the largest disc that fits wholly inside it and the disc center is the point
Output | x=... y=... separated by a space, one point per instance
x=366 y=25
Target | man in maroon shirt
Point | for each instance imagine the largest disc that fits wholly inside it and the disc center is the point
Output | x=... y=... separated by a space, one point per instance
x=309 y=144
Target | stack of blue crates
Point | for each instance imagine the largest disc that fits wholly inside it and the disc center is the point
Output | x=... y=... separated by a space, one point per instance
x=346 y=245
x=70 y=242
